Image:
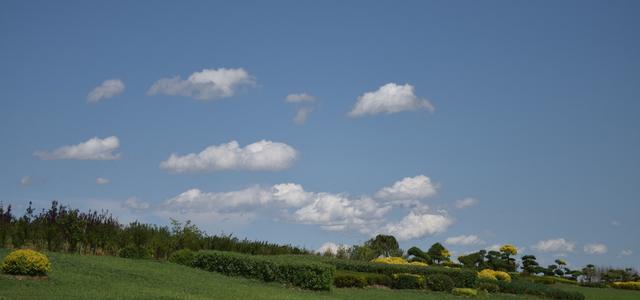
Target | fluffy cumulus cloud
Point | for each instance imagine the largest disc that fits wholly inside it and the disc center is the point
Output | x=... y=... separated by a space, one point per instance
x=463 y=240
x=108 y=89
x=208 y=84
x=101 y=180
x=408 y=190
x=466 y=202
x=555 y=245
x=259 y=156
x=330 y=247
x=93 y=149
x=390 y=98
x=298 y=98
x=339 y=212
x=417 y=224
x=595 y=248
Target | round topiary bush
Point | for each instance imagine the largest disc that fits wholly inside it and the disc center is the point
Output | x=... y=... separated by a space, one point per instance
x=466 y=292
x=439 y=283
x=26 y=262
x=182 y=257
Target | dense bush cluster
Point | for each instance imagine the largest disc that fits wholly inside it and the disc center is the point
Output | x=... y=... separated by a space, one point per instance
x=182 y=257
x=61 y=228
x=26 y=262
x=628 y=285
x=531 y=288
x=397 y=261
x=354 y=279
x=303 y=274
x=460 y=277
x=489 y=274
x=439 y=282
x=407 y=281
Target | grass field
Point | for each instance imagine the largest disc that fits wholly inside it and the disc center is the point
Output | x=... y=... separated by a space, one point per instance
x=95 y=277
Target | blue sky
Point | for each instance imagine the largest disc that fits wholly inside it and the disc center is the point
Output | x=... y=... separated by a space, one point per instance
x=530 y=108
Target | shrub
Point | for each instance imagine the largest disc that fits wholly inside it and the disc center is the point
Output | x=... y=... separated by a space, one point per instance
x=349 y=280
x=488 y=285
x=370 y=278
x=26 y=262
x=460 y=277
x=134 y=252
x=531 y=288
x=303 y=274
x=594 y=284
x=439 y=282
x=407 y=281
x=467 y=292
x=182 y=257
x=627 y=285
x=488 y=274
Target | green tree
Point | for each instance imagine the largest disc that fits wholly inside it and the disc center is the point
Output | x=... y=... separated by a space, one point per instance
x=419 y=255
x=529 y=265
x=439 y=254
x=473 y=260
x=385 y=245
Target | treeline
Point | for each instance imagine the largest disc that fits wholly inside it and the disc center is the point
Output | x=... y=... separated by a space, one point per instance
x=64 y=229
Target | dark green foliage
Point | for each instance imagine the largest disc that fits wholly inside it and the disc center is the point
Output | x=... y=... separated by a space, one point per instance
x=134 y=252
x=473 y=260
x=461 y=277
x=594 y=284
x=488 y=285
x=303 y=274
x=385 y=245
x=438 y=253
x=531 y=288
x=439 y=282
x=370 y=278
x=407 y=281
x=349 y=281
x=419 y=255
x=182 y=257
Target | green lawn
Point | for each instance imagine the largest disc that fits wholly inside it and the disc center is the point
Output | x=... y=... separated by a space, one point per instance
x=94 y=277
x=602 y=294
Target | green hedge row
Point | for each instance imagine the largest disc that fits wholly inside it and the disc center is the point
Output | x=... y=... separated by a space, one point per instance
x=536 y=289
x=303 y=274
x=461 y=277
x=348 y=279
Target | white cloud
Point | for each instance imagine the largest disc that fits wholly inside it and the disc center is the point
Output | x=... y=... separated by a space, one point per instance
x=616 y=223
x=416 y=225
x=207 y=84
x=330 y=247
x=259 y=156
x=466 y=202
x=390 y=98
x=298 y=98
x=135 y=204
x=338 y=212
x=596 y=248
x=626 y=252
x=108 y=89
x=464 y=240
x=408 y=190
x=93 y=149
x=26 y=181
x=555 y=245
x=301 y=115
x=101 y=180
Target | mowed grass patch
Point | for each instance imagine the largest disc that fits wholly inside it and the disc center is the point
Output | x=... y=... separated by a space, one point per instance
x=601 y=293
x=96 y=277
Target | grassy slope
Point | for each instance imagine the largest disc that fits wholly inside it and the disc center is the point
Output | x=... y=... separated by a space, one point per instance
x=602 y=294
x=92 y=277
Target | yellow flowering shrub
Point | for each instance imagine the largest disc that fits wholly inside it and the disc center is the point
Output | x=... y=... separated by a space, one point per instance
x=509 y=249
x=467 y=292
x=26 y=262
x=397 y=261
x=494 y=275
x=627 y=285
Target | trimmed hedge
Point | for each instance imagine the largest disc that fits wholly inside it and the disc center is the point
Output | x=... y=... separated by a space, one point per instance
x=303 y=274
x=627 y=285
x=407 y=281
x=182 y=257
x=369 y=278
x=530 y=288
x=461 y=277
x=349 y=281
x=439 y=282
x=466 y=292
x=490 y=286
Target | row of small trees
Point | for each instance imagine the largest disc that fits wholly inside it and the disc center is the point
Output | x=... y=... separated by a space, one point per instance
x=502 y=259
x=61 y=228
